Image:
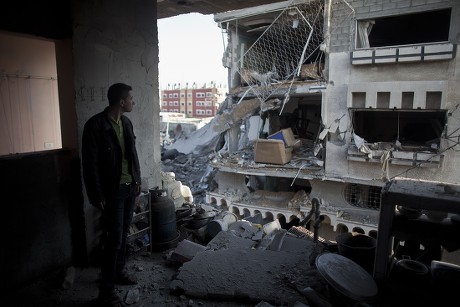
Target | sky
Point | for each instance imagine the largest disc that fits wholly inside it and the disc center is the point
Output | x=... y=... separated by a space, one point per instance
x=190 y=50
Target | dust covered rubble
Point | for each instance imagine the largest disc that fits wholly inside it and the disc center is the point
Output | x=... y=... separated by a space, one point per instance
x=251 y=263
x=194 y=171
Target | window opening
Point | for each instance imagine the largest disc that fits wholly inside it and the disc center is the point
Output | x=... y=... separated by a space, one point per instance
x=363 y=196
x=433 y=100
x=383 y=100
x=418 y=28
x=29 y=100
x=358 y=99
x=411 y=128
x=407 y=100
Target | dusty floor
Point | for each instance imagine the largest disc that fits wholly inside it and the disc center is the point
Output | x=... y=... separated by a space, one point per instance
x=153 y=270
x=156 y=273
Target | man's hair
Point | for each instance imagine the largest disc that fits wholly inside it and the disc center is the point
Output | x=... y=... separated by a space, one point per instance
x=117 y=92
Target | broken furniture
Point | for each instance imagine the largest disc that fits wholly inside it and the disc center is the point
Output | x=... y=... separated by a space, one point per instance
x=287 y=136
x=427 y=196
x=272 y=151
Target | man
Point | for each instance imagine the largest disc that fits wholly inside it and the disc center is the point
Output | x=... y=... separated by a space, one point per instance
x=112 y=178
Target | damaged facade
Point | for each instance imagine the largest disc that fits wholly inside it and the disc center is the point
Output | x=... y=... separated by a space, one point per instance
x=97 y=43
x=331 y=100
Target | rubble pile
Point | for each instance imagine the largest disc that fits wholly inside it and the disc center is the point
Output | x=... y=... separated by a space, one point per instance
x=192 y=170
x=249 y=262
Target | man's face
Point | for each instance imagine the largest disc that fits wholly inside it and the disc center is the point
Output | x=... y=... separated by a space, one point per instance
x=128 y=103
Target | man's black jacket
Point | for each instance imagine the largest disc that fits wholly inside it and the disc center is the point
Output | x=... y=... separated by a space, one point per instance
x=101 y=157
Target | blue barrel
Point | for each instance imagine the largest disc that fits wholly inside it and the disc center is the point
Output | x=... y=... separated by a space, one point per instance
x=164 y=234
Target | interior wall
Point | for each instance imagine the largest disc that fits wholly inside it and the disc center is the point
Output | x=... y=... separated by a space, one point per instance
x=43 y=229
x=117 y=41
x=112 y=41
x=39 y=216
x=66 y=92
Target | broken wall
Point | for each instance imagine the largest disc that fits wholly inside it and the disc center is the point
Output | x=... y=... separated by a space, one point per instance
x=419 y=77
x=110 y=45
x=232 y=184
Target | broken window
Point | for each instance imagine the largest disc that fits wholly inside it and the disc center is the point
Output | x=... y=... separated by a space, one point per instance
x=417 y=128
x=418 y=28
x=280 y=46
x=363 y=196
x=308 y=120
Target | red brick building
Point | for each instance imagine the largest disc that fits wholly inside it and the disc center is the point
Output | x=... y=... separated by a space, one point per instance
x=192 y=101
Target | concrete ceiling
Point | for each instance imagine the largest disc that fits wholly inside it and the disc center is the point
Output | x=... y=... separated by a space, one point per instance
x=170 y=8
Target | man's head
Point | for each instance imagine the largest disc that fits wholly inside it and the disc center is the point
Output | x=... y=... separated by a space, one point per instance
x=119 y=94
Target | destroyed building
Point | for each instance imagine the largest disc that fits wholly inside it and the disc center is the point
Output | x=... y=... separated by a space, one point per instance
x=331 y=100
x=57 y=60
x=390 y=103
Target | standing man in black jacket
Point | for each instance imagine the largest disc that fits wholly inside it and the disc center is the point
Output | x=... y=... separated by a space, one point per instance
x=112 y=178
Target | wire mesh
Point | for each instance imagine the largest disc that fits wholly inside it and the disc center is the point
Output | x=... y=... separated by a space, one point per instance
x=363 y=196
x=278 y=54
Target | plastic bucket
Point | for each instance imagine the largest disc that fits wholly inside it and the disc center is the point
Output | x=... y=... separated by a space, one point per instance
x=358 y=247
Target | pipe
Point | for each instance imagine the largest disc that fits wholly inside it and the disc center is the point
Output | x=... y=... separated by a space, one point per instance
x=318 y=222
x=314 y=210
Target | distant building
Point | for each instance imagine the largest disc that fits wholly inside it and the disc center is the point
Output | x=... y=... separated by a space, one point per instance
x=175 y=125
x=193 y=101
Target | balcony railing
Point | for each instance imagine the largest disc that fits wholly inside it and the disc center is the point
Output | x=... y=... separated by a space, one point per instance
x=404 y=54
x=407 y=156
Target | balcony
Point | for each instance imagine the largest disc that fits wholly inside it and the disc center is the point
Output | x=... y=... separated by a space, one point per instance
x=409 y=156
x=404 y=54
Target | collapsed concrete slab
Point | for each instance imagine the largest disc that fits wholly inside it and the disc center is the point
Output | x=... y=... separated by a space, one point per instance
x=208 y=137
x=186 y=250
x=251 y=274
x=230 y=239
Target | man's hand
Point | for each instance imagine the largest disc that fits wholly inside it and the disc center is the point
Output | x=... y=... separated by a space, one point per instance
x=100 y=205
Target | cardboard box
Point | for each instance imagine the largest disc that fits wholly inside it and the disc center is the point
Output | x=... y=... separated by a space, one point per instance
x=287 y=137
x=272 y=151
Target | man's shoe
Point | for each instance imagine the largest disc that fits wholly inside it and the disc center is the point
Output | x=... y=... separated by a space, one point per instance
x=124 y=278
x=109 y=299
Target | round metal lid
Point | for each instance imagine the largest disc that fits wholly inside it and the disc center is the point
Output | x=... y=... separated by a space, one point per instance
x=347 y=277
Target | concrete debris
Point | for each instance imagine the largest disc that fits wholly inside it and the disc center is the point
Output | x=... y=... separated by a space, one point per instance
x=300 y=200
x=68 y=278
x=185 y=251
x=246 y=274
x=315 y=298
x=229 y=240
x=246 y=230
x=273 y=240
x=208 y=138
x=178 y=192
x=279 y=264
x=132 y=296
x=271 y=226
x=195 y=175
